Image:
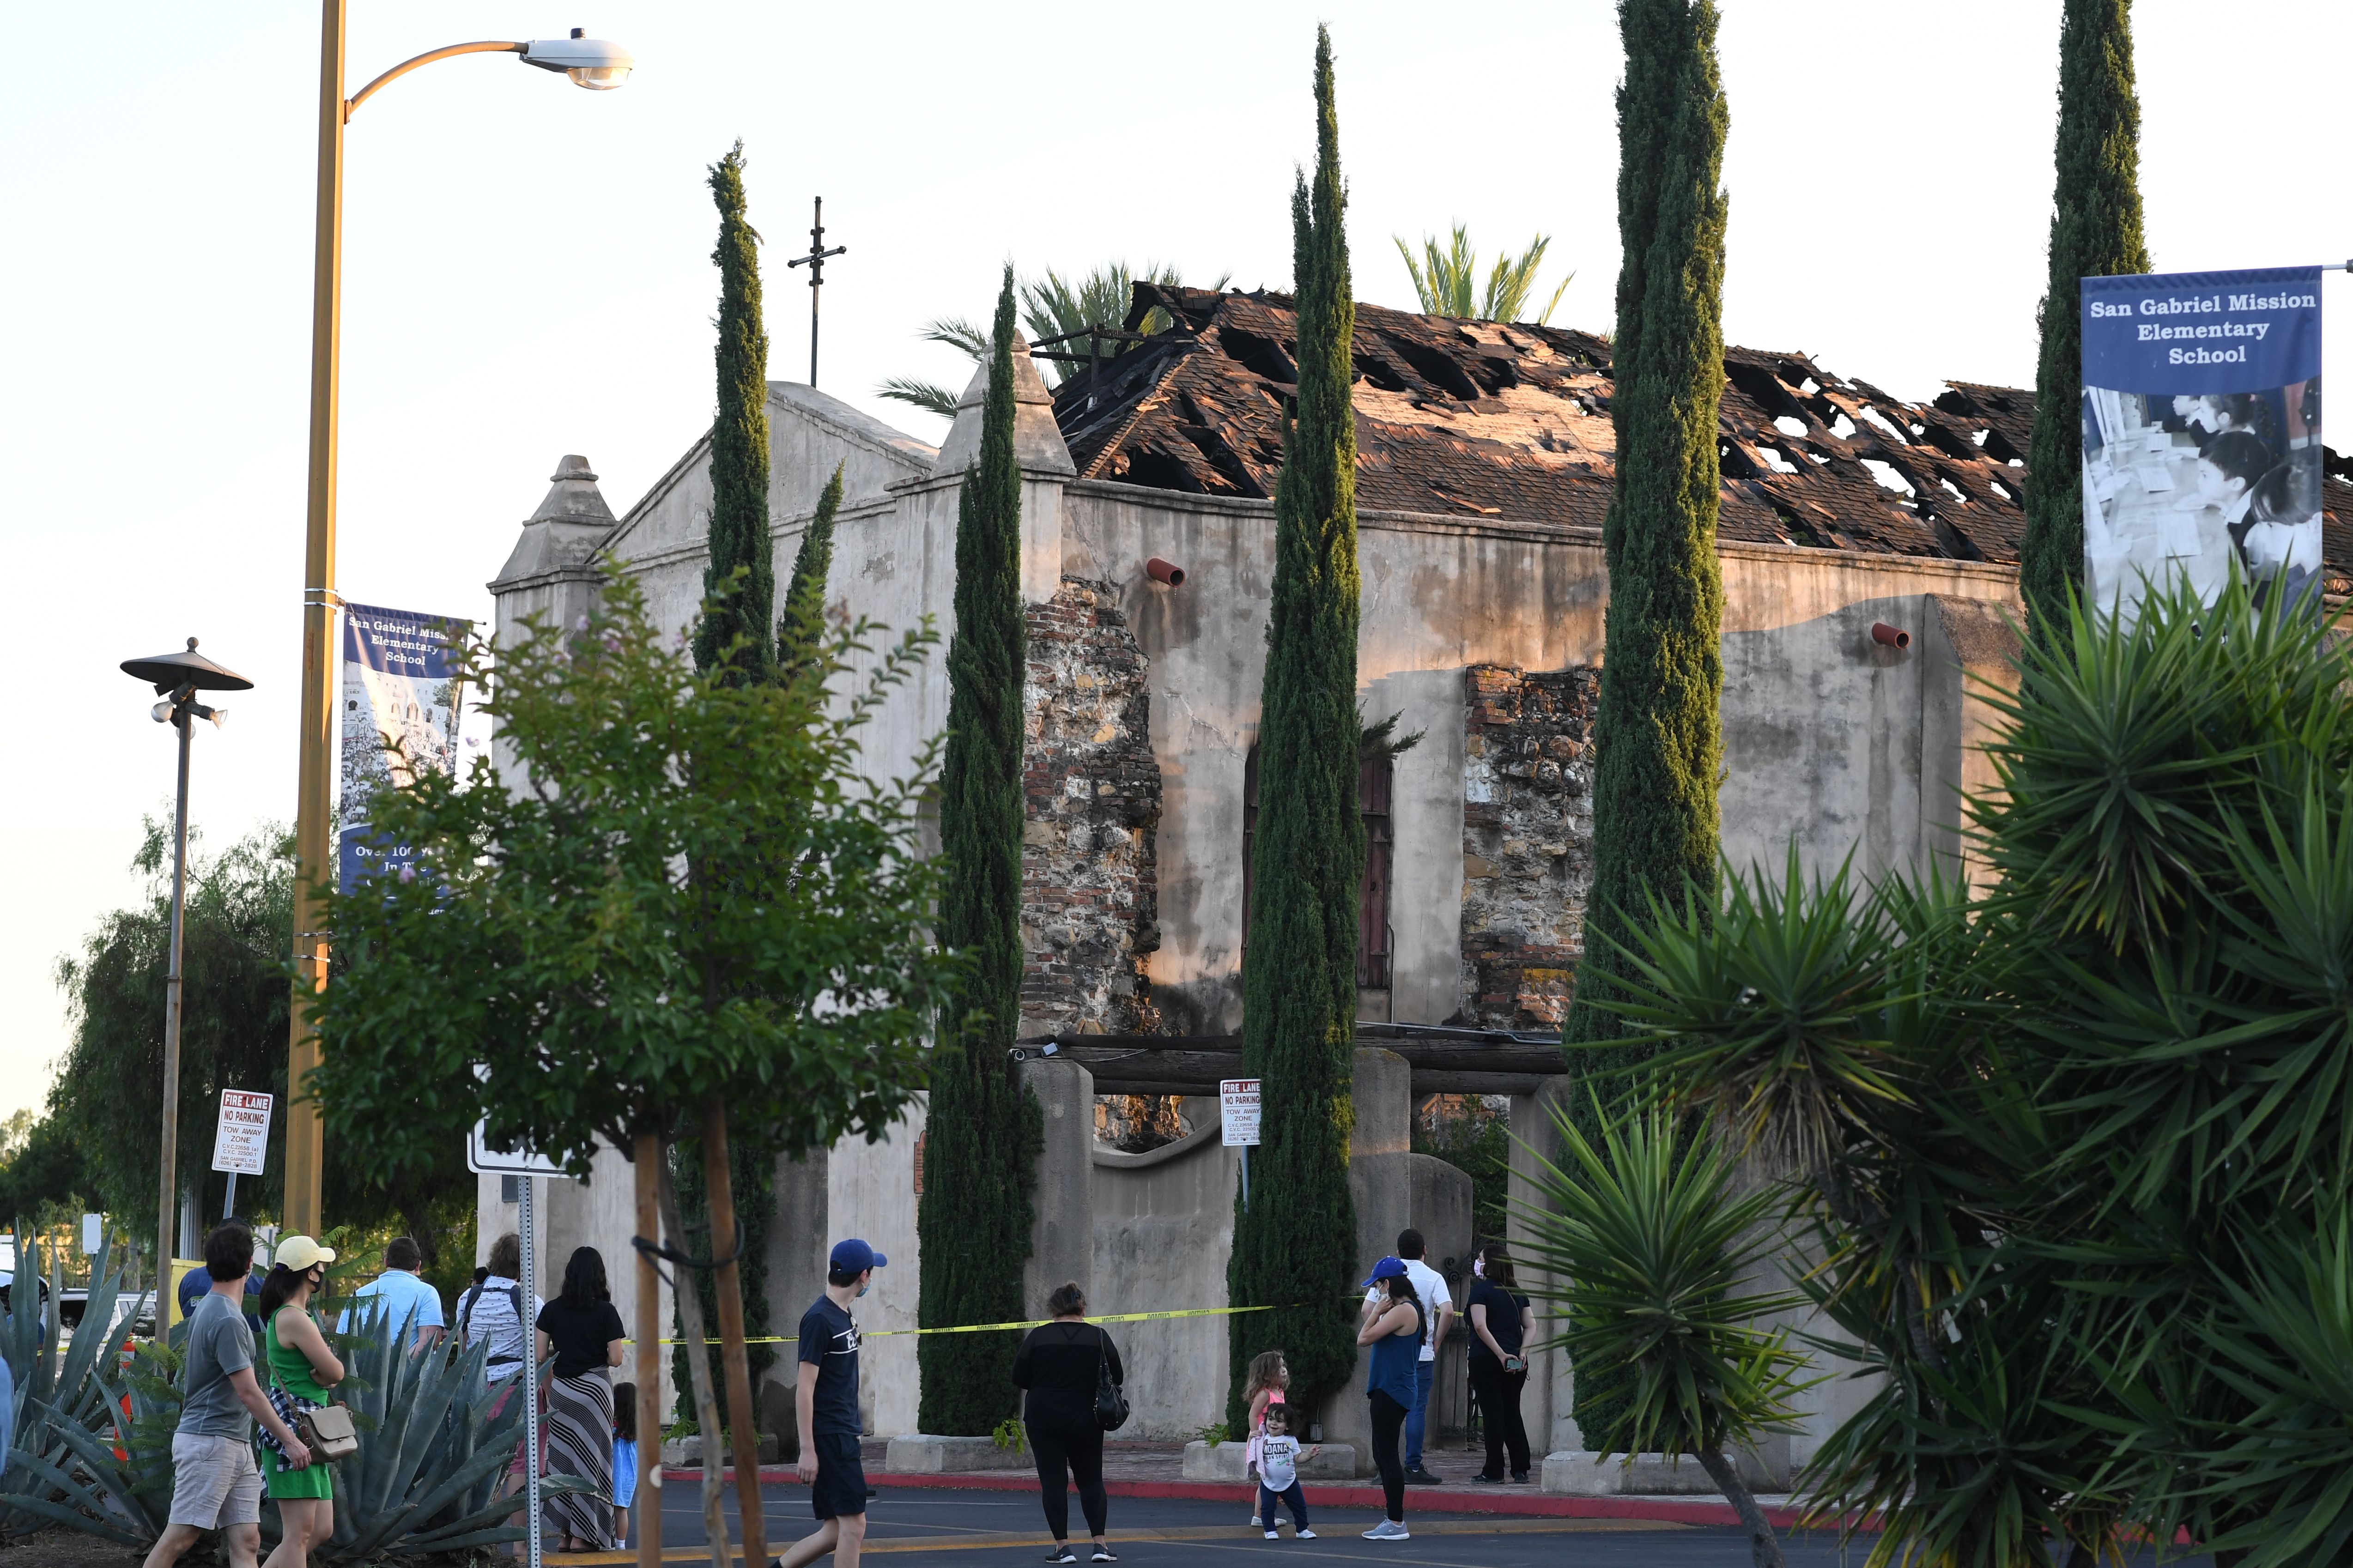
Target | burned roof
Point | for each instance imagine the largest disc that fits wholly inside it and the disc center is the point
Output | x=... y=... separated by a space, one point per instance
x=1511 y=421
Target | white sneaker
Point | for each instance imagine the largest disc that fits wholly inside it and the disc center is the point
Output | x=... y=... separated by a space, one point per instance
x=1304 y=1534
x=1389 y=1529
x=1274 y=1535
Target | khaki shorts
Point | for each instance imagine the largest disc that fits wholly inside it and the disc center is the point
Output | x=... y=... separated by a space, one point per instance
x=214 y=1482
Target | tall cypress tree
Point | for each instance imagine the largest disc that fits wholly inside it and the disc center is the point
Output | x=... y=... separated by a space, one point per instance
x=1297 y=1243
x=2095 y=232
x=801 y=625
x=739 y=452
x=984 y=1129
x=1658 y=733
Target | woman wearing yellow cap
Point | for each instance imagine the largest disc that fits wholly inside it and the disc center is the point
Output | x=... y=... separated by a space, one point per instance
x=303 y=1369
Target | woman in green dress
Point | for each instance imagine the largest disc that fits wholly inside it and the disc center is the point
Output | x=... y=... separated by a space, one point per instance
x=302 y=1367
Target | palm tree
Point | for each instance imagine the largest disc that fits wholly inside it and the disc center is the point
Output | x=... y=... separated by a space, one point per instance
x=1446 y=278
x=1052 y=307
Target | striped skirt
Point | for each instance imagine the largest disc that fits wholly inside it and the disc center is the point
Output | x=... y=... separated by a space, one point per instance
x=579 y=1438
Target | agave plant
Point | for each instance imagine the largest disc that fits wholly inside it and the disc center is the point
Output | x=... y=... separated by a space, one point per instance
x=68 y=1417
x=1655 y=1249
x=431 y=1454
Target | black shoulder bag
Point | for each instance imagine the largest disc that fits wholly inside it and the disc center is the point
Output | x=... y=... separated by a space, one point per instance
x=1110 y=1402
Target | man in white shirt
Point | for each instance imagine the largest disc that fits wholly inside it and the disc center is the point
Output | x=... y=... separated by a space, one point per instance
x=1438 y=1307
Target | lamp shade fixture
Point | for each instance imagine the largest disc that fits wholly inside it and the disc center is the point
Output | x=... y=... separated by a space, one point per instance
x=188 y=670
x=598 y=64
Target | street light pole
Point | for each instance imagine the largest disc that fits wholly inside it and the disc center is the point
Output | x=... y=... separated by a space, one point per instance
x=304 y=1144
x=592 y=64
x=182 y=674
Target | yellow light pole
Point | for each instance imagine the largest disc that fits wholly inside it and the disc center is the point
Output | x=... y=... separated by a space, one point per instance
x=590 y=63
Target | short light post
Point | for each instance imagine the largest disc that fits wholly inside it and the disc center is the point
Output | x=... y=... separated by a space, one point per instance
x=591 y=63
x=177 y=678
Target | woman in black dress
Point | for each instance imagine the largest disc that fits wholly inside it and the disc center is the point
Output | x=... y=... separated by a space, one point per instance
x=1501 y=1322
x=585 y=1333
x=1057 y=1365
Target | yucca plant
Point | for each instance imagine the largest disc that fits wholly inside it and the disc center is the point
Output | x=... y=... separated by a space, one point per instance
x=67 y=1414
x=2071 y=1143
x=1658 y=1250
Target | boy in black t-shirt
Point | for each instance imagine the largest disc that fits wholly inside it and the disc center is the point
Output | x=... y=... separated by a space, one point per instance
x=827 y=1405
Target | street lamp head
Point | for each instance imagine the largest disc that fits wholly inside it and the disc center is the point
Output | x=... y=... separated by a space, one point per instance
x=188 y=670
x=597 y=64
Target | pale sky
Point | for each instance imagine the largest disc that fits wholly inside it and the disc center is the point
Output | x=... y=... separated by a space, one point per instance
x=527 y=270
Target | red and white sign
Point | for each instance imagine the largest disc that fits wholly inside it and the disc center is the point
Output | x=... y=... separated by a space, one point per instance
x=243 y=1141
x=1237 y=1111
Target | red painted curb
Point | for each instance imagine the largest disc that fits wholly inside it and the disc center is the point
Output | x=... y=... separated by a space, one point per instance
x=1421 y=1499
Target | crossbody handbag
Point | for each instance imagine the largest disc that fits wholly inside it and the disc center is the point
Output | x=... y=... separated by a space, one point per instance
x=329 y=1432
x=1110 y=1401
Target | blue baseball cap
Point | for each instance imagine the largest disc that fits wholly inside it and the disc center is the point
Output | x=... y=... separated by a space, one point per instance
x=854 y=1256
x=1387 y=1269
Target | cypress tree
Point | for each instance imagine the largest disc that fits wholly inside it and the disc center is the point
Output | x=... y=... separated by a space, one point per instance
x=985 y=1130
x=801 y=624
x=1294 y=1249
x=1658 y=732
x=2095 y=232
x=735 y=629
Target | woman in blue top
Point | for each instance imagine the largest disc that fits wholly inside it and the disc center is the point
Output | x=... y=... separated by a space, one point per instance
x=1394 y=1333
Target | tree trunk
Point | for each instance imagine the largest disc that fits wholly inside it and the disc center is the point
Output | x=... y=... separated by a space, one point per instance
x=1764 y=1546
x=729 y=1289
x=649 y=1162
x=697 y=1369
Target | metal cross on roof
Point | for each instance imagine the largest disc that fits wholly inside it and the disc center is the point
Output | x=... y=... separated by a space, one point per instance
x=815 y=260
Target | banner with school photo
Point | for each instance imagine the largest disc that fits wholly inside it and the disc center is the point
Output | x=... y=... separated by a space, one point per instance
x=2201 y=435
x=399 y=687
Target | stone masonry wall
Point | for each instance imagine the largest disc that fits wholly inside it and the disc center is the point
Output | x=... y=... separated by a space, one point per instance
x=1528 y=842
x=1090 y=883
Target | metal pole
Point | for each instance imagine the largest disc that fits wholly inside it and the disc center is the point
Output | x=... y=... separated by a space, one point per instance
x=1245 y=1176
x=531 y=1369
x=168 y=1184
x=228 y=1203
x=648 y=1512
x=816 y=280
x=304 y=1144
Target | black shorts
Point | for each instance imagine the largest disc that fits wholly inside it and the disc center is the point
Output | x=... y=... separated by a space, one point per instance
x=840 y=1484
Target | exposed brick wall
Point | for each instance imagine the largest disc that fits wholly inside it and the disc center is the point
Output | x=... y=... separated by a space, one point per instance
x=1090 y=881
x=1528 y=842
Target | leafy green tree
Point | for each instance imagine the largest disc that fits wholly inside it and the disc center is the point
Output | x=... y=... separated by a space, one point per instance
x=2095 y=232
x=1297 y=1255
x=1655 y=1246
x=984 y=1129
x=2076 y=1147
x=1657 y=731
x=97 y=1139
x=740 y=581
x=801 y=628
x=1447 y=280
x=1052 y=307
x=697 y=894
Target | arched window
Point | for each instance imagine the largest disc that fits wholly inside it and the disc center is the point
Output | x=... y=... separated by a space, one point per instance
x=1373 y=780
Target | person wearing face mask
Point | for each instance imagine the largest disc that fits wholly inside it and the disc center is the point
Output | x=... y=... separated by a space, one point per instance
x=825 y=1402
x=303 y=1369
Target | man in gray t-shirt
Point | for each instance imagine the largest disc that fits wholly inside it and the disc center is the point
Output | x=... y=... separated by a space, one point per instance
x=219 y=1346
x=215 y=1484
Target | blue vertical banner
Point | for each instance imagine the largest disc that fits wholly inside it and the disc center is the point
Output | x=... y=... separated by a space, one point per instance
x=401 y=701
x=2201 y=435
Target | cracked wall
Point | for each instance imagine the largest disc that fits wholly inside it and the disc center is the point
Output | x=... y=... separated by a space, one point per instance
x=1090 y=885
x=1528 y=842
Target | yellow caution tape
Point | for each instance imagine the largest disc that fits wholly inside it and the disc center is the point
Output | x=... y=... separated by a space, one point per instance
x=1032 y=1323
